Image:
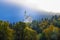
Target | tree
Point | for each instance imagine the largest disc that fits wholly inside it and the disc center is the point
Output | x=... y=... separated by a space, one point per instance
x=19 y=30
x=51 y=32
x=42 y=36
x=5 y=32
x=35 y=26
x=30 y=34
x=43 y=25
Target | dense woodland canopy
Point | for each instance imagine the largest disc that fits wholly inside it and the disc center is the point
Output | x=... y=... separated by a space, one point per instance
x=45 y=29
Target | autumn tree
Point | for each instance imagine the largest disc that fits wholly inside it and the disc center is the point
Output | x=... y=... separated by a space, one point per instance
x=5 y=32
x=51 y=32
x=19 y=30
x=30 y=34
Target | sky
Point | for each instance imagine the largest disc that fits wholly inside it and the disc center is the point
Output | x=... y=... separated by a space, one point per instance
x=14 y=13
x=13 y=10
x=45 y=5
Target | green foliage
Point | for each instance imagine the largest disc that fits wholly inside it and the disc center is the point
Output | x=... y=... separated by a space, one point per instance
x=5 y=32
x=47 y=29
x=19 y=30
x=51 y=32
x=35 y=26
x=30 y=34
x=42 y=36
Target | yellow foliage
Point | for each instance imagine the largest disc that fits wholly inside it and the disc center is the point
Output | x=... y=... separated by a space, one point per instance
x=51 y=28
x=59 y=18
x=9 y=33
x=30 y=34
x=43 y=24
x=48 y=31
x=27 y=28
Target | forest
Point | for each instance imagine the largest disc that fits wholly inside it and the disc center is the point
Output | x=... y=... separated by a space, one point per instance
x=45 y=29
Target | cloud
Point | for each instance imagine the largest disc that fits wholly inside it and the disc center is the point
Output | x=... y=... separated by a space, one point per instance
x=45 y=5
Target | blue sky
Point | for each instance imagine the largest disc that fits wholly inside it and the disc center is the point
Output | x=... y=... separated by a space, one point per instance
x=14 y=13
x=10 y=12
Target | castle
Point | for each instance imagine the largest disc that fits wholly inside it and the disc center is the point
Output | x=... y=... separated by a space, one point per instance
x=27 y=19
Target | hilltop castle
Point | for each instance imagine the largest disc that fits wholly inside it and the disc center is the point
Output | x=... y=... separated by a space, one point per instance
x=27 y=19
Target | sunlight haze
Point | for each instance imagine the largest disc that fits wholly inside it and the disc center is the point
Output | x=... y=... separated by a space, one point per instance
x=45 y=5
